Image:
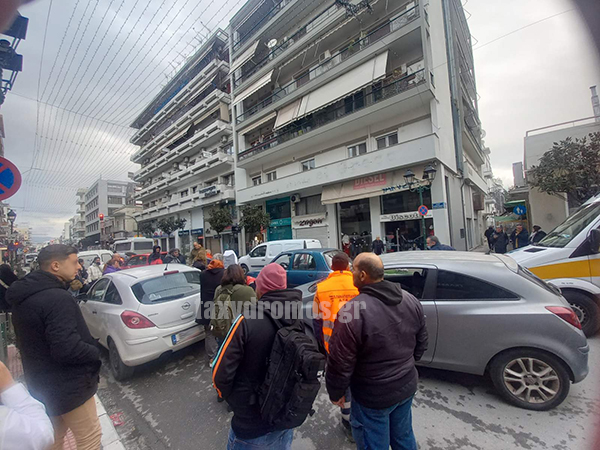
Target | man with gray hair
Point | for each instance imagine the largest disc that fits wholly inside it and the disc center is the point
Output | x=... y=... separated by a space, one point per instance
x=373 y=351
x=433 y=243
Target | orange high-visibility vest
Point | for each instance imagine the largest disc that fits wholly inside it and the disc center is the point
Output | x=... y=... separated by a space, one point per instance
x=332 y=294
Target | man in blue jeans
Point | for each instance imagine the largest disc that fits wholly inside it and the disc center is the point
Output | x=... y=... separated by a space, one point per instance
x=377 y=338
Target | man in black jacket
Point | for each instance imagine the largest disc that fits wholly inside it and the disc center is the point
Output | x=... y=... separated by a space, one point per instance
x=210 y=279
x=241 y=364
x=500 y=240
x=60 y=357
x=378 y=337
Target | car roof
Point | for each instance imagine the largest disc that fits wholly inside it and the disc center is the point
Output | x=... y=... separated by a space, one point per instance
x=312 y=250
x=440 y=257
x=92 y=252
x=139 y=273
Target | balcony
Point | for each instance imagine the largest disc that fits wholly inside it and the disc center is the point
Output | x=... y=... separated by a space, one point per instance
x=333 y=113
x=207 y=136
x=473 y=176
x=359 y=43
x=487 y=173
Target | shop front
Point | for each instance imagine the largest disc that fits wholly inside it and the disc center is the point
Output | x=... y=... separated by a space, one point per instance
x=280 y=211
x=312 y=226
x=401 y=221
x=355 y=226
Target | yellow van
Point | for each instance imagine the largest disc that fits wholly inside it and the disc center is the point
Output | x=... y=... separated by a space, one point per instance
x=569 y=258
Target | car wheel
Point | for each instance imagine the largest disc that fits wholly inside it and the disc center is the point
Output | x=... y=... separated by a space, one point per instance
x=245 y=269
x=117 y=366
x=587 y=310
x=530 y=379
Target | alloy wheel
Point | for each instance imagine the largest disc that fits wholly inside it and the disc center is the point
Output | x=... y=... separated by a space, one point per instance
x=531 y=380
x=580 y=312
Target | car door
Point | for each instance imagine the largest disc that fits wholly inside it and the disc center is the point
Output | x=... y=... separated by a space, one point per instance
x=303 y=270
x=284 y=261
x=258 y=258
x=108 y=313
x=470 y=319
x=420 y=282
x=89 y=308
x=272 y=251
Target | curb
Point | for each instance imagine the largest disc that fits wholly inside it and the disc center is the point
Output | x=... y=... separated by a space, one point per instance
x=110 y=437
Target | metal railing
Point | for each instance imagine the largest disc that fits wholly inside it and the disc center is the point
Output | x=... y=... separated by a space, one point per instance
x=331 y=114
x=272 y=12
x=337 y=58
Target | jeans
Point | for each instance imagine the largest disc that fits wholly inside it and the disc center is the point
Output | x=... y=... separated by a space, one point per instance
x=83 y=422
x=212 y=343
x=377 y=429
x=276 y=440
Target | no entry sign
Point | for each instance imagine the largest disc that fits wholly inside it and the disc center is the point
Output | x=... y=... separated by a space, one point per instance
x=10 y=179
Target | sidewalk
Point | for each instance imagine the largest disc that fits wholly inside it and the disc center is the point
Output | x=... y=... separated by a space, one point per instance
x=110 y=437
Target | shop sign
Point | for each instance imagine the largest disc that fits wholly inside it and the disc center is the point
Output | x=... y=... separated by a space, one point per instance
x=413 y=215
x=370 y=181
x=440 y=205
x=309 y=221
x=285 y=222
x=209 y=191
x=194 y=232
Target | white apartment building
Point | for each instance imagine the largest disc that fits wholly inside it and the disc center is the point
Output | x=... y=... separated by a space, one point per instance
x=77 y=222
x=185 y=140
x=103 y=197
x=333 y=104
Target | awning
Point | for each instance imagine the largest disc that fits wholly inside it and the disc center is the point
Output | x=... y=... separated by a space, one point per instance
x=349 y=82
x=244 y=57
x=256 y=125
x=266 y=79
x=288 y=113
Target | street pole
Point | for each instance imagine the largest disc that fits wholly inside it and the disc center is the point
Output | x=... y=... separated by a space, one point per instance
x=421 y=189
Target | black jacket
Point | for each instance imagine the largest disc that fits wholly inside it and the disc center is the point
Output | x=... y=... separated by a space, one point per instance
x=537 y=236
x=489 y=233
x=154 y=255
x=241 y=364
x=375 y=349
x=500 y=242
x=210 y=279
x=60 y=357
x=8 y=277
x=170 y=259
x=378 y=247
x=519 y=240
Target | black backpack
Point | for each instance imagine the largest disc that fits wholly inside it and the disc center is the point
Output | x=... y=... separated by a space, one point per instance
x=292 y=381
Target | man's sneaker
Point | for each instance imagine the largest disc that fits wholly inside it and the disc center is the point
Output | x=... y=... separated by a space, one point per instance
x=348 y=431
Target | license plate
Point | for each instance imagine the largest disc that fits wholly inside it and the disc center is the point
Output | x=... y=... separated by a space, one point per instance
x=185 y=335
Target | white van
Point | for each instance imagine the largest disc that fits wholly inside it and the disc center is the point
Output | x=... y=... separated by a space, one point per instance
x=89 y=256
x=569 y=258
x=263 y=254
x=137 y=245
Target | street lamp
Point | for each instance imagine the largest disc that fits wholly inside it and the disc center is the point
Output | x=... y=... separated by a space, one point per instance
x=12 y=216
x=416 y=185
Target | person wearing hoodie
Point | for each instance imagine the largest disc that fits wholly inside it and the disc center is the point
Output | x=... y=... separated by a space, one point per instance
x=240 y=368
x=175 y=257
x=61 y=359
x=229 y=258
x=378 y=337
x=155 y=255
x=210 y=279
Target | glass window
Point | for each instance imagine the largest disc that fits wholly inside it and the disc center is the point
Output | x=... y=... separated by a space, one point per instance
x=310 y=205
x=404 y=201
x=106 y=257
x=98 y=290
x=112 y=295
x=304 y=261
x=308 y=165
x=169 y=287
x=123 y=246
x=329 y=257
x=143 y=245
x=279 y=208
x=272 y=176
x=565 y=232
x=259 y=251
x=455 y=286
x=184 y=193
x=283 y=260
x=256 y=180
x=387 y=141
x=137 y=260
x=411 y=279
x=358 y=149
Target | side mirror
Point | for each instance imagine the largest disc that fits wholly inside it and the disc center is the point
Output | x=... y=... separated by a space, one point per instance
x=595 y=240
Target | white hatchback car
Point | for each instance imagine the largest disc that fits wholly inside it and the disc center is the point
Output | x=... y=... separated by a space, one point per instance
x=143 y=313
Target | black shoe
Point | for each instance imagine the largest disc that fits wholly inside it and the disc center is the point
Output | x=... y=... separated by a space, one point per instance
x=220 y=399
x=348 y=431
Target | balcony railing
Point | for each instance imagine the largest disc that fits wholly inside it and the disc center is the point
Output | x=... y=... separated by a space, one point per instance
x=279 y=49
x=271 y=13
x=329 y=114
x=337 y=58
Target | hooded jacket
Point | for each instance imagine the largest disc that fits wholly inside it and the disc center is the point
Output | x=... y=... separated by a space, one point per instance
x=61 y=359
x=210 y=280
x=241 y=364
x=377 y=338
x=154 y=255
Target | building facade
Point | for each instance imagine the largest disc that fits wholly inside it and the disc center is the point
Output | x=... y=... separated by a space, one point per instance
x=185 y=140
x=332 y=104
x=103 y=197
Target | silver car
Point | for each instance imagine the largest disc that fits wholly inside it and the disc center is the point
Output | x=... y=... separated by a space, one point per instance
x=486 y=314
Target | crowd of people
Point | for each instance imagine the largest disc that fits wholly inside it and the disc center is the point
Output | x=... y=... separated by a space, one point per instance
x=498 y=240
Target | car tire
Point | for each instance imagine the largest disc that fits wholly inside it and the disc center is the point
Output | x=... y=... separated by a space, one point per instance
x=118 y=368
x=523 y=368
x=245 y=269
x=587 y=310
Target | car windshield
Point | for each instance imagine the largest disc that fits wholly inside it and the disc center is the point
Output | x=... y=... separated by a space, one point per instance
x=169 y=287
x=566 y=231
x=329 y=257
x=88 y=259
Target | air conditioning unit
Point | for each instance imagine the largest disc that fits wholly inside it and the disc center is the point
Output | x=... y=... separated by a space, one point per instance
x=324 y=56
x=295 y=198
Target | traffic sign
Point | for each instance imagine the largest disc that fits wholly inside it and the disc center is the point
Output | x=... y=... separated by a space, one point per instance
x=10 y=179
x=423 y=210
x=520 y=210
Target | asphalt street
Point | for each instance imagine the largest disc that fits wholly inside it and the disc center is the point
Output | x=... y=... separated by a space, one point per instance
x=172 y=405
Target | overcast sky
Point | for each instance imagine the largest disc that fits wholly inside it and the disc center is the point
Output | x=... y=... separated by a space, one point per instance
x=103 y=61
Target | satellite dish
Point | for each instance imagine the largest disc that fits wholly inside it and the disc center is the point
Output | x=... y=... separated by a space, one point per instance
x=272 y=43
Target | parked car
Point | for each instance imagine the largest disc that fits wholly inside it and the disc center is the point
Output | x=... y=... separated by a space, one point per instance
x=89 y=256
x=137 y=245
x=140 y=260
x=486 y=314
x=305 y=265
x=263 y=254
x=143 y=313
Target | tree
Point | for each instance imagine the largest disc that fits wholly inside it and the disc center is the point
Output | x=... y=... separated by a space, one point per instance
x=253 y=219
x=220 y=218
x=571 y=166
x=147 y=228
x=169 y=225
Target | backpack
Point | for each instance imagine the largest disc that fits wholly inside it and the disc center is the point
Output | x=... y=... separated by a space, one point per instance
x=222 y=317
x=292 y=380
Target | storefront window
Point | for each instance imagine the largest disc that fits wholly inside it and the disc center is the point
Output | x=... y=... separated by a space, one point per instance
x=279 y=208
x=310 y=205
x=355 y=226
x=404 y=201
